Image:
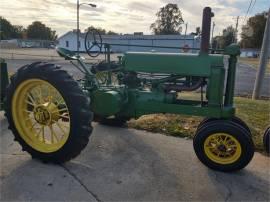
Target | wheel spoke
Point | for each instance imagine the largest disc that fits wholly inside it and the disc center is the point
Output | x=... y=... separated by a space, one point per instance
x=39 y=94
x=49 y=90
x=33 y=103
x=210 y=146
x=43 y=133
x=64 y=117
x=220 y=140
x=60 y=110
x=220 y=154
x=53 y=135
x=232 y=147
x=40 y=129
x=50 y=94
x=25 y=110
x=59 y=125
x=30 y=103
x=214 y=141
x=30 y=118
x=33 y=125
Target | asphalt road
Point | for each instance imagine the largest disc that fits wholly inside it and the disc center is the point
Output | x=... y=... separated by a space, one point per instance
x=121 y=164
x=245 y=75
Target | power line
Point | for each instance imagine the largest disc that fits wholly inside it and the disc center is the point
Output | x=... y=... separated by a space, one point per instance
x=253 y=6
x=248 y=10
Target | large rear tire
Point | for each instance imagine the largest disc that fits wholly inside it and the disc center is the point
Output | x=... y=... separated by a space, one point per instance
x=48 y=113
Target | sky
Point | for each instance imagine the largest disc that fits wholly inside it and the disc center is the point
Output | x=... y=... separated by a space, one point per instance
x=125 y=16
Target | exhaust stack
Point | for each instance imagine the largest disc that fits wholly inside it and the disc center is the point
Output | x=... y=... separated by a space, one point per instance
x=206 y=28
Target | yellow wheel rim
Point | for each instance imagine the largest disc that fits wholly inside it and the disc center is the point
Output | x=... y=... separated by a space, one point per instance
x=41 y=115
x=222 y=148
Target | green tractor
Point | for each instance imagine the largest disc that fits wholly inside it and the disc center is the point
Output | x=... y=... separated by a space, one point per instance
x=50 y=113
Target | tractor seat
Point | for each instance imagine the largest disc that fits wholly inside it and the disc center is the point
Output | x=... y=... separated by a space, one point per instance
x=67 y=54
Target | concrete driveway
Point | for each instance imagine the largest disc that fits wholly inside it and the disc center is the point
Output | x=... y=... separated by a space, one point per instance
x=122 y=164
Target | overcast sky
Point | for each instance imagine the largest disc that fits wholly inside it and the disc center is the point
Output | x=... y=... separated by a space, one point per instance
x=123 y=16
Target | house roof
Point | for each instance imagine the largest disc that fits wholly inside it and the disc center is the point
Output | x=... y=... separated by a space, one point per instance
x=135 y=37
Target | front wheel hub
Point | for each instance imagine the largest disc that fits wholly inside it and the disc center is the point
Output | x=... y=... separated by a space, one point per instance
x=222 y=148
x=42 y=116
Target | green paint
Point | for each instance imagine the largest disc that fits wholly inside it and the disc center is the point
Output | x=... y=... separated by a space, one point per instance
x=106 y=102
x=172 y=63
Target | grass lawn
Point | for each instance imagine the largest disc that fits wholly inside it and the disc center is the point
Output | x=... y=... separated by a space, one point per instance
x=255 y=113
x=254 y=62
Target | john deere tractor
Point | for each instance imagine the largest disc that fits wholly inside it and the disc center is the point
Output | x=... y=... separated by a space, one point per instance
x=50 y=113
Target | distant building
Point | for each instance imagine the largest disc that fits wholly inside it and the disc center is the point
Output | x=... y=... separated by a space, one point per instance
x=9 y=44
x=250 y=53
x=69 y=39
x=26 y=43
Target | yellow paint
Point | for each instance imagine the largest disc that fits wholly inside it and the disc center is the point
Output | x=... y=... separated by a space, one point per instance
x=41 y=115
x=222 y=148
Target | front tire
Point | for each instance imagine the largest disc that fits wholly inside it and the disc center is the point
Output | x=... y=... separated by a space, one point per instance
x=234 y=119
x=223 y=145
x=48 y=113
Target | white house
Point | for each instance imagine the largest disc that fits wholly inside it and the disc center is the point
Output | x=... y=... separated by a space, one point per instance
x=250 y=53
x=69 y=39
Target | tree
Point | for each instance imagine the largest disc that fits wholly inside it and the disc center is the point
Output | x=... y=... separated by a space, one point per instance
x=252 y=33
x=19 y=30
x=38 y=30
x=197 y=32
x=169 y=20
x=112 y=33
x=8 y=31
x=101 y=30
x=228 y=37
x=216 y=42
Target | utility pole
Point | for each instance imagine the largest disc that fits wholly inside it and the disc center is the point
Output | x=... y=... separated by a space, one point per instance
x=78 y=22
x=185 y=33
x=263 y=59
x=212 y=38
x=78 y=26
x=236 y=30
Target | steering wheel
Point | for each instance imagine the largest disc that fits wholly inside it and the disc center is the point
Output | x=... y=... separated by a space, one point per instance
x=93 y=43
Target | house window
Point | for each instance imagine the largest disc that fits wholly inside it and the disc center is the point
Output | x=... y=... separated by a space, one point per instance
x=67 y=44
